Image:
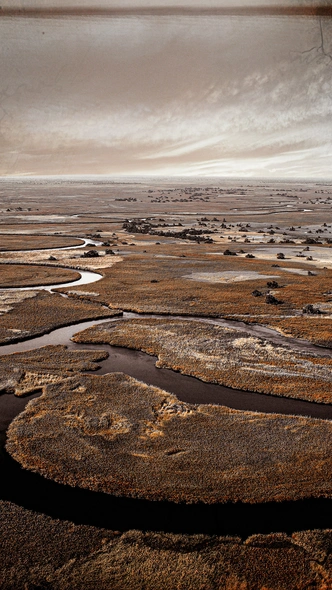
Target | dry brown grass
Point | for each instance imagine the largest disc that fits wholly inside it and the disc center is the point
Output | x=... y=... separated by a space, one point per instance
x=114 y=434
x=22 y=275
x=26 y=242
x=66 y=258
x=43 y=313
x=128 y=286
x=26 y=372
x=10 y=298
x=37 y=551
x=221 y=355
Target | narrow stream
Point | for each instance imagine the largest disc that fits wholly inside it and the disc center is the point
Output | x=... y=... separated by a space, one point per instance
x=85 y=242
x=34 y=492
x=141 y=366
x=80 y=506
x=87 y=277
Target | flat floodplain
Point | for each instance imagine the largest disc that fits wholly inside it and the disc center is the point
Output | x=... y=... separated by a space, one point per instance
x=255 y=253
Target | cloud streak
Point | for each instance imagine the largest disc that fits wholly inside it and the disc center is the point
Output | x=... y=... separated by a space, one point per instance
x=155 y=95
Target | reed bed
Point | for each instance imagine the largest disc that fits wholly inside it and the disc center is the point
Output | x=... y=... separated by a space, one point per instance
x=26 y=372
x=43 y=312
x=25 y=242
x=153 y=283
x=117 y=435
x=25 y=275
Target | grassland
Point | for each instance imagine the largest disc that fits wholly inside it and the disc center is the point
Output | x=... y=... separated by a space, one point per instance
x=42 y=313
x=37 y=551
x=117 y=435
x=25 y=373
x=153 y=284
x=26 y=242
x=74 y=259
x=221 y=355
x=131 y=423
x=21 y=275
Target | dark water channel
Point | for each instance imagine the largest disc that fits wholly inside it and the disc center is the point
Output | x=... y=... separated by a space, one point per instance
x=35 y=492
x=141 y=366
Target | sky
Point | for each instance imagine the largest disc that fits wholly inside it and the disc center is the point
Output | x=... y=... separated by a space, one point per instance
x=165 y=93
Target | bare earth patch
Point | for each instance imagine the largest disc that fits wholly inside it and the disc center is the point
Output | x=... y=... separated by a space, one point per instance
x=320 y=256
x=297 y=271
x=221 y=355
x=115 y=434
x=228 y=276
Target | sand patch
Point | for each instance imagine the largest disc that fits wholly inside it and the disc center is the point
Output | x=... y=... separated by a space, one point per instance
x=227 y=276
x=296 y=271
x=82 y=293
x=9 y=298
x=321 y=256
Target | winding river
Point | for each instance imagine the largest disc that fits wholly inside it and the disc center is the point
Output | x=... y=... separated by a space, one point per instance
x=141 y=366
x=33 y=491
x=86 y=276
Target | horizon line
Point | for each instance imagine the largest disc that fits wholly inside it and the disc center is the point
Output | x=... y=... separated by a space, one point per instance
x=166 y=176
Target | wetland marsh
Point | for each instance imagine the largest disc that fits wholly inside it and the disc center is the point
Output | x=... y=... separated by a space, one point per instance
x=179 y=450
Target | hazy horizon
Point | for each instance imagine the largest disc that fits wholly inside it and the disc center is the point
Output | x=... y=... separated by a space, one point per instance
x=132 y=178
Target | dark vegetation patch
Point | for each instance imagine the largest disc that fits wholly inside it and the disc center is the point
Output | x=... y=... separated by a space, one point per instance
x=37 y=551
